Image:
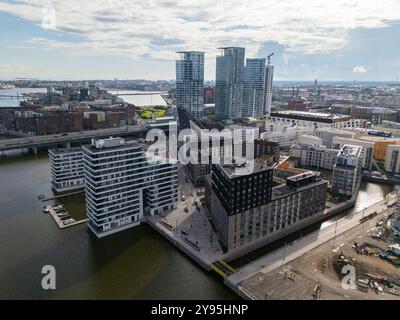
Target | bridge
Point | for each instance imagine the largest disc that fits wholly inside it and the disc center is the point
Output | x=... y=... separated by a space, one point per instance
x=7 y=96
x=140 y=93
x=34 y=142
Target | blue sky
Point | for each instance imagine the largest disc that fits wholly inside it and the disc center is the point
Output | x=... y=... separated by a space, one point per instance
x=105 y=39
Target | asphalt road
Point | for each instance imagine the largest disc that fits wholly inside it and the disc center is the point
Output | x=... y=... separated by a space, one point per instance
x=299 y=247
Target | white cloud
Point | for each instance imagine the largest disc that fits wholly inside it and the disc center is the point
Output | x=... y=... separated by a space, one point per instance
x=361 y=69
x=157 y=28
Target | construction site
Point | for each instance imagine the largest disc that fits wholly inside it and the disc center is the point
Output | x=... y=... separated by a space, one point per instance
x=361 y=263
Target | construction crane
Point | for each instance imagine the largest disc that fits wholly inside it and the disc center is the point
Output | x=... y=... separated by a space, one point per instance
x=269 y=58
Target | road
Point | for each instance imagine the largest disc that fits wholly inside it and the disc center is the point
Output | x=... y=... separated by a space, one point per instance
x=54 y=139
x=290 y=252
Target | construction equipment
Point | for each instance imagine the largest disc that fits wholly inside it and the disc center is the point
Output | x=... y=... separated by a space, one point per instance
x=316 y=290
x=269 y=58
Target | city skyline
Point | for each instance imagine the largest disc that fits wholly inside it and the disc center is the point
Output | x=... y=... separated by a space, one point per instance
x=345 y=40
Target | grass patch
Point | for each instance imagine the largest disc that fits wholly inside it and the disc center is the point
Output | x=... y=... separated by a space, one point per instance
x=147 y=112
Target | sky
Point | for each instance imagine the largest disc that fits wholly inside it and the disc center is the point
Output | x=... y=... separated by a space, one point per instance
x=131 y=39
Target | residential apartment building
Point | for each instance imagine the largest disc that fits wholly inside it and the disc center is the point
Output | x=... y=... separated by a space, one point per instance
x=190 y=82
x=313 y=156
x=316 y=120
x=339 y=142
x=346 y=176
x=248 y=212
x=269 y=77
x=229 y=83
x=253 y=92
x=392 y=160
x=123 y=182
x=328 y=133
x=373 y=114
x=380 y=145
x=66 y=169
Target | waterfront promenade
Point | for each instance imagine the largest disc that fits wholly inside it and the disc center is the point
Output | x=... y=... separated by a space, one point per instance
x=299 y=247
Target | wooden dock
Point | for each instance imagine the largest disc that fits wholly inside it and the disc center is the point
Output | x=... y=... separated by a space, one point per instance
x=63 y=195
x=59 y=221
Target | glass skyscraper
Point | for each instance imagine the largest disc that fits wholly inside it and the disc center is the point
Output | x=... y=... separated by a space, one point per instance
x=190 y=82
x=253 y=92
x=229 y=83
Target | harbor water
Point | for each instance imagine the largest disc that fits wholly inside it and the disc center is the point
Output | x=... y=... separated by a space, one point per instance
x=134 y=264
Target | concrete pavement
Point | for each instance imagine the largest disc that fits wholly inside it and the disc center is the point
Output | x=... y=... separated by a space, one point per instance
x=290 y=252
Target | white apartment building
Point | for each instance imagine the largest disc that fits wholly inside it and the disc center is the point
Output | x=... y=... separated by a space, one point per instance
x=347 y=171
x=122 y=182
x=316 y=120
x=327 y=134
x=285 y=135
x=314 y=156
x=66 y=169
x=310 y=139
x=339 y=142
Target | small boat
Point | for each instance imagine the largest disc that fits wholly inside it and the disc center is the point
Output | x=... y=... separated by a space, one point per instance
x=69 y=221
x=58 y=207
x=46 y=210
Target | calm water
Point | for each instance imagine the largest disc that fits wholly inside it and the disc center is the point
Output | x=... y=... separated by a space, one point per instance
x=14 y=102
x=134 y=264
x=140 y=100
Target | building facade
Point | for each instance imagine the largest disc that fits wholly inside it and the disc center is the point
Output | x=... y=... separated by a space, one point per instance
x=374 y=114
x=316 y=120
x=327 y=134
x=242 y=222
x=368 y=156
x=229 y=83
x=269 y=77
x=122 y=182
x=314 y=156
x=254 y=88
x=392 y=160
x=66 y=169
x=190 y=82
x=346 y=176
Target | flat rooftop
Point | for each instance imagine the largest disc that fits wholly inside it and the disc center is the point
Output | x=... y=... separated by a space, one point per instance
x=310 y=116
x=301 y=176
x=65 y=150
x=246 y=168
x=349 y=150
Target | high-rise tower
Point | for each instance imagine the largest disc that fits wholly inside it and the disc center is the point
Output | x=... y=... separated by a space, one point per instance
x=229 y=83
x=269 y=76
x=253 y=92
x=190 y=82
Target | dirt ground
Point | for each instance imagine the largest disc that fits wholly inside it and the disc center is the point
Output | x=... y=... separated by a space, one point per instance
x=298 y=279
